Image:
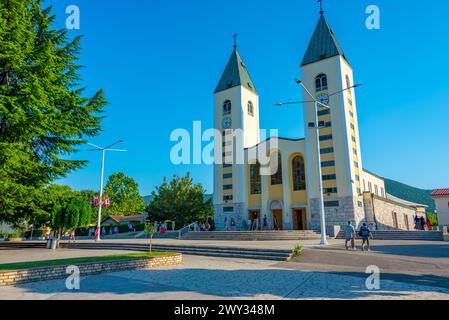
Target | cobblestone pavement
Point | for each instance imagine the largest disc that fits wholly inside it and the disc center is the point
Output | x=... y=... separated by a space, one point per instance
x=217 y=278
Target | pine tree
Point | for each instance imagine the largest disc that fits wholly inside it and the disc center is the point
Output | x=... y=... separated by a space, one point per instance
x=44 y=114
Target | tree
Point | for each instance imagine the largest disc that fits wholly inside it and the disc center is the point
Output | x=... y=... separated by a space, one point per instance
x=68 y=210
x=124 y=194
x=180 y=200
x=44 y=114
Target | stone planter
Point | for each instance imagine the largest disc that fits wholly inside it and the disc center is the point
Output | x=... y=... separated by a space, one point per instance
x=14 y=277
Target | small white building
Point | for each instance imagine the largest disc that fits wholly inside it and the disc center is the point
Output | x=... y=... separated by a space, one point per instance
x=441 y=198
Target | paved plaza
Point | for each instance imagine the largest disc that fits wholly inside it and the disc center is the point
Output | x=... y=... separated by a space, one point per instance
x=409 y=270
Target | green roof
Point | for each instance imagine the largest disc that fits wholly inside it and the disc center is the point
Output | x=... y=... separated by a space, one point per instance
x=235 y=74
x=323 y=44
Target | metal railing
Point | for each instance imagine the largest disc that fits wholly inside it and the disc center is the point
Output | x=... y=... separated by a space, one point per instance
x=186 y=229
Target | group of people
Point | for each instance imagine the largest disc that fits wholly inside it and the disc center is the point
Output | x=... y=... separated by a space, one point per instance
x=351 y=235
x=203 y=226
x=422 y=223
x=253 y=224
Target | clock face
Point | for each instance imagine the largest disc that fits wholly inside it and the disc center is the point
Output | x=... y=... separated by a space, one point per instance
x=323 y=98
x=227 y=123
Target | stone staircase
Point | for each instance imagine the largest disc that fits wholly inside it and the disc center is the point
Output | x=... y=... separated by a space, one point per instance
x=251 y=235
x=213 y=251
x=403 y=235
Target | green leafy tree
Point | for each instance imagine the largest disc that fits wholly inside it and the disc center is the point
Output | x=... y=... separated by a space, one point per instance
x=124 y=194
x=68 y=210
x=180 y=200
x=44 y=113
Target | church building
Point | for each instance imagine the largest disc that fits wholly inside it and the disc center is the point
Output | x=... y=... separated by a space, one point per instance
x=289 y=197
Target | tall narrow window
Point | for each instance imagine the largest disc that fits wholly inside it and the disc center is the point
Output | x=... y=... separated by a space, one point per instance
x=348 y=82
x=299 y=174
x=321 y=82
x=276 y=178
x=250 y=108
x=227 y=107
x=255 y=179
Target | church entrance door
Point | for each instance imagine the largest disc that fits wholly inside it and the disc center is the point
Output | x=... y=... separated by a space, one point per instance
x=299 y=219
x=277 y=219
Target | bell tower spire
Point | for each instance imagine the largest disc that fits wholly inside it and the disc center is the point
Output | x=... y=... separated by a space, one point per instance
x=321 y=7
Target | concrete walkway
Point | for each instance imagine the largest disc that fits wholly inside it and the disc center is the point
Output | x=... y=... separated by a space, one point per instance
x=215 y=278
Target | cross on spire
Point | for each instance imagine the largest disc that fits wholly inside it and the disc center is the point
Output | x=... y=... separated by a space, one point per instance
x=321 y=6
x=235 y=40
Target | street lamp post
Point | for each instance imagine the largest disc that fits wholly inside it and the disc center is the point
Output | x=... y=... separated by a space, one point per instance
x=101 y=202
x=316 y=126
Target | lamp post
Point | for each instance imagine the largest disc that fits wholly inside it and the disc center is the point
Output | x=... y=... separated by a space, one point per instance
x=316 y=104
x=103 y=151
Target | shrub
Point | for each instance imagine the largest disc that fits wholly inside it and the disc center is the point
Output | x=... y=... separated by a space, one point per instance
x=14 y=234
x=297 y=251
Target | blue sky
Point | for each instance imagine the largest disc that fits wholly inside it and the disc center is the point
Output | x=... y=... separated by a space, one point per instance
x=159 y=62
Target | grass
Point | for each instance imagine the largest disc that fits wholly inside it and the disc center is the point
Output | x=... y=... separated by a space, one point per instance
x=74 y=261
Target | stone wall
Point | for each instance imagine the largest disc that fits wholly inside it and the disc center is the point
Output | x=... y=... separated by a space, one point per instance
x=13 y=277
x=336 y=216
x=238 y=215
x=384 y=212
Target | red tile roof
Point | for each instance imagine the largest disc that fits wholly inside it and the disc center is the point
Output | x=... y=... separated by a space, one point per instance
x=440 y=192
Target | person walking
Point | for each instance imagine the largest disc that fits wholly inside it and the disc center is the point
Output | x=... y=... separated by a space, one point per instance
x=225 y=223
x=422 y=222
x=350 y=235
x=233 y=225
x=366 y=234
x=265 y=223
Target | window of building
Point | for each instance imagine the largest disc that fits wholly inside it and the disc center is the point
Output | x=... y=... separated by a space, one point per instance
x=325 y=164
x=326 y=137
x=255 y=179
x=276 y=178
x=352 y=126
x=351 y=114
x=226 y=165
x=324 y=112
x=250 y=108
x=228 y=209
x=370 y=187
x=331 y=204
x=360 y=203
x=354 y=151
x=357 y=177
x=353 y=139
x=329 y=177
x=227 y=107
x=326 y=150
x=376 y=190
x=329 y=190
x=382 y=192
x=299 y=174
x=321 y=82
x=350 y=102
x=227 y=176
x=356 y=164
x=227 y=198
x=227 y=187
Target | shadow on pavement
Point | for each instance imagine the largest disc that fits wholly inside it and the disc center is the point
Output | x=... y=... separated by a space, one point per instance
x=280 y=283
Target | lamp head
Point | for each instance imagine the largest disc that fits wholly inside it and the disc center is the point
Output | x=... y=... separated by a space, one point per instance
x=298 y=81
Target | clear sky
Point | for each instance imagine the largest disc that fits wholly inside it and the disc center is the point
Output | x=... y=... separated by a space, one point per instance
x=159 y=62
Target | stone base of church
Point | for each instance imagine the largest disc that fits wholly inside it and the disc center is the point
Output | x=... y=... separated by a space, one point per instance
x=238 y=214
x=347 y=210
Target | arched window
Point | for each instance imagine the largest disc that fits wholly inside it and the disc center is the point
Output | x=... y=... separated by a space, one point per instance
x=227 y=107
x=255 y=179
x=276 y=169
x=299 y=174
x=250 y=108
x=321 y=82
